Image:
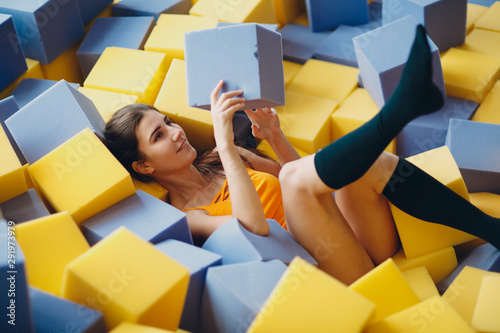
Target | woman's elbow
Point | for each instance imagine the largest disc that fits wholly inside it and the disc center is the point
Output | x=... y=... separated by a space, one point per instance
x=262 y=230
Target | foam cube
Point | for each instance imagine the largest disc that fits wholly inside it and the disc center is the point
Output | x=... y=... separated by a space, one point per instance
x=483 y=41
x=34 y=71
x=300 y=43
x=357 y=109
x=46 y=28
x=485 y=318
x=419 y=237
x=307 y=299
x=29 y=89
x=144 y=79
x=11 y=52
x=148 y=217
x=387 y=288
x=380 y=73
x=474 y=146
x=54 y=314
x=127 y=32
x=290 y=69
x=439 y=263
x=432 y=315
x=237 y=245
x=234 y=294
x=429 y=131
x=315 y=79
x=128 y=279
x=236 y=11
x=64 y=67
x=435 y=15
x=421 y=282
x=12 y=178
x=168 y=34
x=469 y=75
x=305 y=121
x=249 y=57
x=90 y=10
x=24 y=207
x=126 y=327
x=82 y=177
x=198 y=261
x=107 y=102
x=40 y=239
x=8 y=107
x=15 y=301
x=489 y=20
x=287 y=11
x=463 y=292
x=473 y=13
x=56 y=115
x=150 y=7
x=328 y=15
x=486 y=3
x=488 y=110
x=153 y=188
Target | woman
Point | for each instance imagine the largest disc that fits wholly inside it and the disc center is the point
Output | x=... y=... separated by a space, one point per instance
x=347 y=235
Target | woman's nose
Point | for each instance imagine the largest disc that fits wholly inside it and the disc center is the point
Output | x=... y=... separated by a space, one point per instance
x=176 y=134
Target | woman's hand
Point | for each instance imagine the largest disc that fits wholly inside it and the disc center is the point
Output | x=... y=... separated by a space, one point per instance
x=222 y=111
x=265 y=123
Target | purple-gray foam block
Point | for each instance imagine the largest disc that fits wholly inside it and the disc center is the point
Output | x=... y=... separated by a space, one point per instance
x=11 y=53
x=150 y=7
x=25 y=207
x=90 y=9
x=300 y=43
x=327 y=15
x=8 y=106
x=29 y=89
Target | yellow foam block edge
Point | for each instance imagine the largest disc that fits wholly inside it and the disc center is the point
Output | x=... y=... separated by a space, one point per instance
x=421 y=282
x=12 y=176
x=488 y=110
x=486 y=315
x=107 y=102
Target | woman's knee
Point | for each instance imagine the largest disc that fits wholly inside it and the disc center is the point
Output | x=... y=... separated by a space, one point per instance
x=290 y=177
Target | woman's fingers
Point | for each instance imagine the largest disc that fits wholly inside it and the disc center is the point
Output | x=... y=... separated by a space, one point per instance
x=215 y=93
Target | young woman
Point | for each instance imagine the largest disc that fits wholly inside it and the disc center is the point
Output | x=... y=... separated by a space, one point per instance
x=348 y=234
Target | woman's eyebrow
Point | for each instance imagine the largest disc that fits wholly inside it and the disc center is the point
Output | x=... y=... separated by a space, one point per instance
x=153 y=133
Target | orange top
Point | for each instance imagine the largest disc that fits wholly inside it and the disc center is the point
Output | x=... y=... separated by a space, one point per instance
x=269 y=191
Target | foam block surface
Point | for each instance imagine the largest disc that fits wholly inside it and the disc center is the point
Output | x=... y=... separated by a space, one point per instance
x=328 y=15
x=300 y=43
x=9 y=106
x=236 y=11
x=488 y=110
x=29 y=89
x=483 y=41
x=91 y=9
x=421 y=282
x=10 y=52
x=26 y=206
x=489 y=20
x=485 y=318
x=150 y=7
x=12 y=179
x=107 y=102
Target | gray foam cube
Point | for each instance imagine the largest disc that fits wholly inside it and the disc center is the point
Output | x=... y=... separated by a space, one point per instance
x=29 y=89
x=247 y=56
x=25 y=207
x=300 y=43
x=328 y=15
x=9 y=106
x=51 y=119
x=150 y=7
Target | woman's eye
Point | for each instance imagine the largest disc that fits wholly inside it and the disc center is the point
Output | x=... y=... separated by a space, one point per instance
x=168 y=121
x=158 y=136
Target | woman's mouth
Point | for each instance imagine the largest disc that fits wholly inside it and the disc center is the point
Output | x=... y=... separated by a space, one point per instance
x=183 y=145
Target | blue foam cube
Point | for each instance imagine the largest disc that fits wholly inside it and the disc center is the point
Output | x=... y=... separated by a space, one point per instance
x=197 y=261
x=8 y=106
x=11 y=53
x=46 y=28
x=273 y=27
x=236 y=244
x=444 y=20
x=29 y=89
x=126 y=32
x=235 y=293
x=56 y=116
x=55 y=314
x=14 y=302
x=149 y=217
x=327 y=15
x=247 y=56
x=25 y=207
x=380 y=70
x=300 y=43
x=485 y=3
x=150 y=7
x=475 y=147
x=90 y=9
x=429 y=131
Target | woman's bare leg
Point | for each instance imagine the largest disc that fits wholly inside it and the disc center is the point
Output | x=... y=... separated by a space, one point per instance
x=315 y=221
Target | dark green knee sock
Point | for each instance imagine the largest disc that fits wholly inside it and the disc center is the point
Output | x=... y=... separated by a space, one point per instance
x=420 y=195
x=348 y=158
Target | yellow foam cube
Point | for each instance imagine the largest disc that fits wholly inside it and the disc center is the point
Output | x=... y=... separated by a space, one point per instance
x=482 y=41
x=305 y=121
x=302 y=19
x=463 y=292
x=421 y=282
x=66 y=67
x=469 y=75
x=172 y=101
x=488 y=110
x=128 y=279
x=387 y=288
x=236 y=11
x=107 y=102
x=27 y=176
x=430 y=316
x=486 y=317
x=487 y=202
x=419 y=237
x=307 y=299
x=266 y=148
x=34 y=72
x=439 y=264
x=287 y=11
x=325 y=79
x=81 y=176
x=50 y=243
x=136 y=328
x=356 y=110
x=489 y=20
x=473 y=13
x=153 y=188
x=168 y=34
x=290 y=69
x=130 y=72
x=12 y=179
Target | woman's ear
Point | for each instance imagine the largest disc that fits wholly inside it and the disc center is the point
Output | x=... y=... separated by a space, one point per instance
x=142 y=168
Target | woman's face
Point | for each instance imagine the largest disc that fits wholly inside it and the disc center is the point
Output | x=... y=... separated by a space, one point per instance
x=164 y=145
